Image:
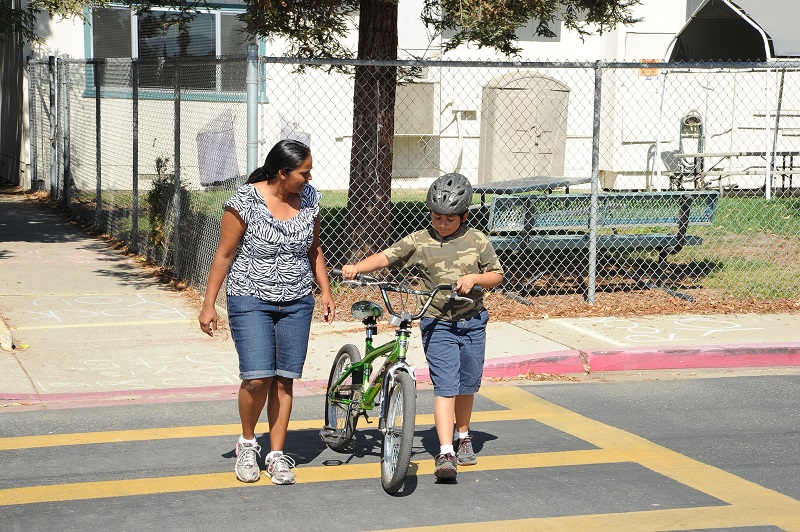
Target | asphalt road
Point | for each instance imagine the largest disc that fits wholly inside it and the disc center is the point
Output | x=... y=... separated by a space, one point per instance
x=653 y=451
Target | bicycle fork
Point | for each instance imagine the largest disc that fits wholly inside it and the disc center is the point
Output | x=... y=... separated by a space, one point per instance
x=389 y=377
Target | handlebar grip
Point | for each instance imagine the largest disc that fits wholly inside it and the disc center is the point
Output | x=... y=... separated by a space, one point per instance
x=360 y=278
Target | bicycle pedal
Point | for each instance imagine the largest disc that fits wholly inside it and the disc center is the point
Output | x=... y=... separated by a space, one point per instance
x=330 y=435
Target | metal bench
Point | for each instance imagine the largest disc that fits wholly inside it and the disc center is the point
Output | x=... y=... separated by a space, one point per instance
x=553 y=223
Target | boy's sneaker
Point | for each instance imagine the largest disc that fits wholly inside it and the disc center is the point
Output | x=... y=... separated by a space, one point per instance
x=279 y=469
x=446 y=468
x=465 y=455
x=247 y=456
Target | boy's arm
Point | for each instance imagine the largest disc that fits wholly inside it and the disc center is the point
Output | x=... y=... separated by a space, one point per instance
x=491 y=271
x=368 y=265
x=485 y=280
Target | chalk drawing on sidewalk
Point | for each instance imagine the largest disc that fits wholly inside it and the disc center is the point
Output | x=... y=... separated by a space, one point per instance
x=146 y=373
x=681 y=330
x=76 y=309
x=590 y=333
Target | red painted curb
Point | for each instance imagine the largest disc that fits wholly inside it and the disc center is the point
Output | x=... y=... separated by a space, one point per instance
x=558 y=362
x=730 y=356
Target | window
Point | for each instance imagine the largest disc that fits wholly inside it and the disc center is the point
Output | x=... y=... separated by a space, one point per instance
x=118 y=33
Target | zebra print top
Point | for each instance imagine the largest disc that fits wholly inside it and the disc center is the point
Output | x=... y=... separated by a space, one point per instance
x=272 y=260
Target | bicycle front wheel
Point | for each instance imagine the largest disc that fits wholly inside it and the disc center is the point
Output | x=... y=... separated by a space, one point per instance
x=401 y=411
x=340 y=415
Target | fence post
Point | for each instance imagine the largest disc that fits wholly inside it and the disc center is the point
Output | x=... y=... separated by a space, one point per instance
x=66 y=188
x=97 y=146
x=33 y=124
x=592 y=273
x=176 y=204
x=252 y=108
x=135 y=155
x=53 y=116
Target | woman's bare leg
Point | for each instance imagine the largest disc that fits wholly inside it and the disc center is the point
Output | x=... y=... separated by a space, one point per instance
x=279 y=410
x=252 y=396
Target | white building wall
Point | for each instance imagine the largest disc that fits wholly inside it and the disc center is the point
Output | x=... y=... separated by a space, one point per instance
x=456 y=143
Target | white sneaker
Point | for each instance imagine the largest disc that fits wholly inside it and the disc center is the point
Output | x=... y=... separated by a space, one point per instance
x=247 y=462
x=279 y=469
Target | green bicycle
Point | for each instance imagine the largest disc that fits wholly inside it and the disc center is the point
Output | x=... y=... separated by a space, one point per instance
x=354 y=389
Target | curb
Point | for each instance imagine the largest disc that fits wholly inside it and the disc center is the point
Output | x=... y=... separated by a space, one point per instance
x=6 y=342
x=552 y=363
x=715 y=356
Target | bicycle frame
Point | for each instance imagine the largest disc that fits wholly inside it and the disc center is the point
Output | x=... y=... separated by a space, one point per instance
x=394 y=351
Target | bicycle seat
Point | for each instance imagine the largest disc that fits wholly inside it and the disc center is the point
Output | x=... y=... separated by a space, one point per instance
x=364 y=309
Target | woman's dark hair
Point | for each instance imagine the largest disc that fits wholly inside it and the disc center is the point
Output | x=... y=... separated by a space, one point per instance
x=286 y=155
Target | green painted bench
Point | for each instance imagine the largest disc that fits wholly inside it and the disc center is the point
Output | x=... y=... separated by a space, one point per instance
x=626 y=221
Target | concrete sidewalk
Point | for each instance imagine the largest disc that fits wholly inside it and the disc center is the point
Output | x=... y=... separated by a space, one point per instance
x=89 y=326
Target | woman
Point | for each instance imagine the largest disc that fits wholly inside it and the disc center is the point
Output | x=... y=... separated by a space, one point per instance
x=270 y=249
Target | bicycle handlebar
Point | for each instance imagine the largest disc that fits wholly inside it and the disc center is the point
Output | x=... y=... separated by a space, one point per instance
x=385 y=287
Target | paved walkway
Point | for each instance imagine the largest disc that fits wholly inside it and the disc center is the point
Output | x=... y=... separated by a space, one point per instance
x=82 y=324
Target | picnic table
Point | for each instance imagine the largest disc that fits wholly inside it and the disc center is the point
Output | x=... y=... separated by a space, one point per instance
x=528 y=184
x=524 y=226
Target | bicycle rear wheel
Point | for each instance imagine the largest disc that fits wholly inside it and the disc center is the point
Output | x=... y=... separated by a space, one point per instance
x=341 y=419
x=401 y=411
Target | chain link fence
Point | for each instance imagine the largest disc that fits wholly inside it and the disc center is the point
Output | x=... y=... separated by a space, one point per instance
x=591 y=179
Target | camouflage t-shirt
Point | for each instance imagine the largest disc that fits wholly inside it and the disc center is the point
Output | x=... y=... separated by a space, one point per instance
x=445 y=260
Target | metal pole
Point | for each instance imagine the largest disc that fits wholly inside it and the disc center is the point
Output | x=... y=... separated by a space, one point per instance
x=67 y=184
x=53 y=116
x=767 y=124
x=135 y=157
x=98 y=151
x=252 y=108
x=58 y=191
x=655 y=175
x=592 y=274
x=176 y=204
x=774 y=163
x=33 y=114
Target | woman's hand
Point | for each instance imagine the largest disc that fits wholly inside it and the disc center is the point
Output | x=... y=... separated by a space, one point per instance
x=328 y=308
x=208 y=321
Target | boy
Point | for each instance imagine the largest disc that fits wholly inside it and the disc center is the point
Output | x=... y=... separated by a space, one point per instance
x=453 y=332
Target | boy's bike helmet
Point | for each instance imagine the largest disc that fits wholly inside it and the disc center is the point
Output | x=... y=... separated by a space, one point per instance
x=450 y=194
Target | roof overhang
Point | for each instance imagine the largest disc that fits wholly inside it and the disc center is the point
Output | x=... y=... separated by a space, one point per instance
x=740 y=30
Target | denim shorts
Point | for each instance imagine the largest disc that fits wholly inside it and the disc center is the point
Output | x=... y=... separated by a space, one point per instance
x=455 y=352
x=271 y=338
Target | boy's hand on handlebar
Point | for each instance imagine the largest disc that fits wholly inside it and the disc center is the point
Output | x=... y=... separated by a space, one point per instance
x=349 y=271
x=465 y=284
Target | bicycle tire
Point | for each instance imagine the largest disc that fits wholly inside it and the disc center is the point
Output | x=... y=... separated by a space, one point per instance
x=337 y=416
x=401 y=410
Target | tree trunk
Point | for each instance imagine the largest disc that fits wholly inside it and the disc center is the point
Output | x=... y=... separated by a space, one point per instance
x=370 y=196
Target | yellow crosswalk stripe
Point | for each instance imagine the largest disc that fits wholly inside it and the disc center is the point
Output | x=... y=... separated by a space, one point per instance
x=212 y=481
x=201 y=431
x=712 y=517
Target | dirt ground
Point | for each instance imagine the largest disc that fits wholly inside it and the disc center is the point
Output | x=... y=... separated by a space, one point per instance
x=630 y=302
